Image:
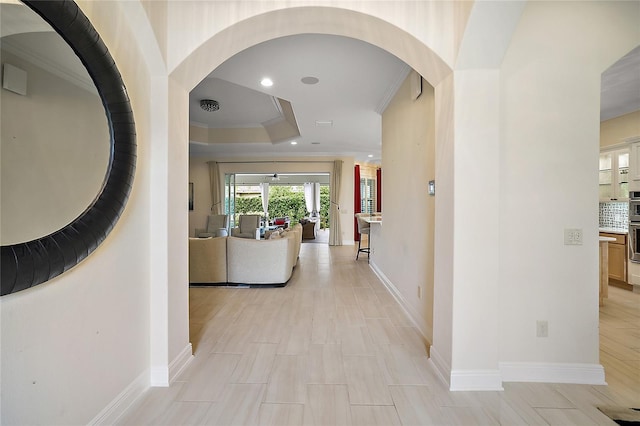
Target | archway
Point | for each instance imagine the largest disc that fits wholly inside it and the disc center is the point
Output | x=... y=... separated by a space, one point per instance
x=223 y=45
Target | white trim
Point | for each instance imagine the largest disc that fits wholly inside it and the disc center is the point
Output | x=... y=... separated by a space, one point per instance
x=393 y=89
x=440 y=366
x=348 y=242
x=180 y=362
x=159 y=377
x=631 y=139
x=476 y=380
x=585 y=374
x=625 y=142
x=76 y=76
x=407 y=308
x=121 y=403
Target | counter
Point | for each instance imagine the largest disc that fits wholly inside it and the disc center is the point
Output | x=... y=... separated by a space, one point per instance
x=621 y=231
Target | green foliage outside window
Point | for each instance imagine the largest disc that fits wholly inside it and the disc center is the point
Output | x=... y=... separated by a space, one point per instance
x=284 y=201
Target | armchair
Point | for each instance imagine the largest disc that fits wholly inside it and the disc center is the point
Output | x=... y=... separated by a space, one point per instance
x=215 y=224
x=248 y=226
x=308 y=229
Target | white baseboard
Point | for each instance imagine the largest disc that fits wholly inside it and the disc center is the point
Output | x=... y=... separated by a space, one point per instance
x=163 y=376
x=491 y=380
x=586 y=374
x=180 y=362
x=156 y=377
x=407 y=308
x=159 y=377
x=110 y=414
x=476 y=380
x=442 y=368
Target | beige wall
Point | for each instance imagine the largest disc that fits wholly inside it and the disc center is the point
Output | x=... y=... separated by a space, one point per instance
x=620 y=129
x=403 y=245
x=54 y=151
x=73 y=345
x=548 y=156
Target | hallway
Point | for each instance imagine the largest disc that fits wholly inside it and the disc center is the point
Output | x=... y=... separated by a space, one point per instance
x=333 y=347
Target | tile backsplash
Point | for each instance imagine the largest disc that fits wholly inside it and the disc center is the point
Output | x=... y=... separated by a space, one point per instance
x=614 y=215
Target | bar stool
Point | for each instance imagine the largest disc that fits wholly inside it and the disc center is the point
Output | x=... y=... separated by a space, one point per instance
x=363 y=228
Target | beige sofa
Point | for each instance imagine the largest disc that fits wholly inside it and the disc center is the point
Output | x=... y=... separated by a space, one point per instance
x=208 y=260
x=233 y=260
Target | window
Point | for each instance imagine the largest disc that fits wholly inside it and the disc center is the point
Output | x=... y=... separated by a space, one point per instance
x=367 y=195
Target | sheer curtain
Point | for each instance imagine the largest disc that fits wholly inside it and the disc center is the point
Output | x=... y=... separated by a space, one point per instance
x=317 y=197
x=308 y=196
x=215 y=188
x=312 y=197
x=335 y=233
x=357 y=201
x=264 y=192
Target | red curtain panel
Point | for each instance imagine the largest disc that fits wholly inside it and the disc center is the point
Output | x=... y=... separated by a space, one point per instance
x=379 y=190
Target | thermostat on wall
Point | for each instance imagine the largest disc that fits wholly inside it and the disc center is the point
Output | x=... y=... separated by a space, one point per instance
x=14 y=79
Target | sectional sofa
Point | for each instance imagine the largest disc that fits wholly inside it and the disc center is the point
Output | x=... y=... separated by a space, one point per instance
x=243 y=261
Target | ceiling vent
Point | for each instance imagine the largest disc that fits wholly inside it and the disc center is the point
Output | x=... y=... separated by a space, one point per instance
x=209 y=105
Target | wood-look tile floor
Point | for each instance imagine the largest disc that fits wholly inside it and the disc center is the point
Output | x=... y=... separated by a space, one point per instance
x=620 y=344
x=333 y=348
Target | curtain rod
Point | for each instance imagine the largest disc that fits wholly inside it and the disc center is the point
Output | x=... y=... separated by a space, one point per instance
x=271 y=162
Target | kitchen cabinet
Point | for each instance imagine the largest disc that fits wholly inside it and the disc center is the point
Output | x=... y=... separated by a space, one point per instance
x=614 y=174
x=634 y=166
x=618 y=257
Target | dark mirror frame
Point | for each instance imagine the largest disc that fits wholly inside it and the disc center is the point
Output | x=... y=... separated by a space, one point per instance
x=28 y=264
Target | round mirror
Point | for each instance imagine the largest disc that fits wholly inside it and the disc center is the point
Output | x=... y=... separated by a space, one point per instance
x=54 y=139
x=67 y=141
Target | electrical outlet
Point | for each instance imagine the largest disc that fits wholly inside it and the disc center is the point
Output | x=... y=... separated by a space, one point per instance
x=542 y=329
x=573 y=237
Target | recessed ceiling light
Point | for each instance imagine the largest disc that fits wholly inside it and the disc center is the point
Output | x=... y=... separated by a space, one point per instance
x=370 y=155
x=309 y=80
x=267 y=82
x=325 y=123
x=294 y=143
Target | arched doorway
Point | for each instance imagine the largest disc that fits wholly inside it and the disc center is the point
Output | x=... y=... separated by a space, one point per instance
x=241 y=35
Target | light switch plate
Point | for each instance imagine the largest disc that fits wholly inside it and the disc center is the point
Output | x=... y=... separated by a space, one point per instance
x=572 y=237
x=432 y=187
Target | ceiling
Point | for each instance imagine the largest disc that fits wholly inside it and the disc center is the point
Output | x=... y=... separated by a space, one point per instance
x=341 y=114
x=621 y=87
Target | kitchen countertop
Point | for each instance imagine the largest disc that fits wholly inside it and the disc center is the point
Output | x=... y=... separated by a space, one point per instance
x=614 y=230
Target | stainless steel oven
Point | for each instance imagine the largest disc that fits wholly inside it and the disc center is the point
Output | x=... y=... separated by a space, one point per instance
x=634 y=242
x=634 y=226
x=634 y=206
